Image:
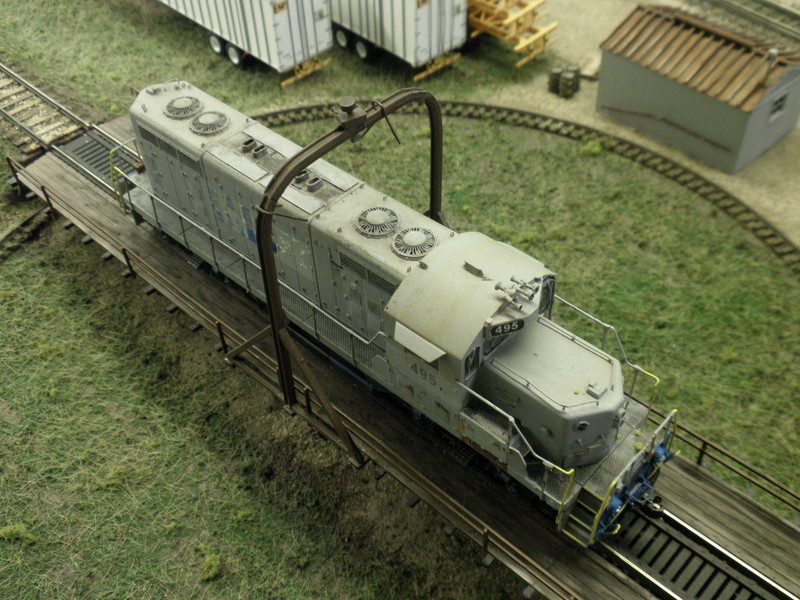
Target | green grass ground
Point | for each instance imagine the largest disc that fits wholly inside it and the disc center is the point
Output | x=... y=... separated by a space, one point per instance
x=126 y=469
x=135 y=464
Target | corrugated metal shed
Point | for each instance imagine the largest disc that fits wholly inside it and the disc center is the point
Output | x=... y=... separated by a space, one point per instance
x=692 y=52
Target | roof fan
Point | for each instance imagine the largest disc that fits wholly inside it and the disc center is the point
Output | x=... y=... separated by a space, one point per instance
x=209 y=123
x=183 y=107
x=377 y=222
x=413 y=243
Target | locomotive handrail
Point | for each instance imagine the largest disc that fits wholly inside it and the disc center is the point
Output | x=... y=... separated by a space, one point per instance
x=669 y=420
x=508 y=371
x=744 y=470
x=512 y=425
x=116 y=172
x=154 y=198
x=606 y=328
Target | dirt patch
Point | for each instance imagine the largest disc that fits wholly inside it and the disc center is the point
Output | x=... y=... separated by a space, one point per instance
x=8 y=414
x=768 y=185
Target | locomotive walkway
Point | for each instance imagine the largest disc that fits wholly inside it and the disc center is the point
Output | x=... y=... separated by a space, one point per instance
x=507 y=527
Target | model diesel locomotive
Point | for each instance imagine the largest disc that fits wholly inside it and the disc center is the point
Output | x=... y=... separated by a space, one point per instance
x=455 y=324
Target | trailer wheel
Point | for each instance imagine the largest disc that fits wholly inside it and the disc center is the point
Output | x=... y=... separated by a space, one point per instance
x=342 y=38
x=216 y=43
x=363 y=49
x=234 y=54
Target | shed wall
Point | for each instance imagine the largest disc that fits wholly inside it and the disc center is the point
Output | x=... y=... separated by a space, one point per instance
x=701 y=126
x=765 y=128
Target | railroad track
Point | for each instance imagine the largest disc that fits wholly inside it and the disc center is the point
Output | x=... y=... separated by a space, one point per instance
x=675 y=561
x=722 y=199
x=43 y=123
x=657 y=551
x=775 y=16
x=39 y=120
x=88 y=152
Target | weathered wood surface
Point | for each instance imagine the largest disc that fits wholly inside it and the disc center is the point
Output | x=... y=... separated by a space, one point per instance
x=733 y=520
x=420 y=451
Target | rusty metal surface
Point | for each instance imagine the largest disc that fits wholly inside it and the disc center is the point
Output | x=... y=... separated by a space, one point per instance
x=721 y=64
x=354 y=122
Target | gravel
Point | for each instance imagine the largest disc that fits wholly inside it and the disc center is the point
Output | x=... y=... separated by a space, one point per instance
x=770 y=185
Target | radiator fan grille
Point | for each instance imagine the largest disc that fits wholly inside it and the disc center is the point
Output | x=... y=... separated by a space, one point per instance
x=413 y=243
x=209 y=123
x=377 y=222
x=183 y=107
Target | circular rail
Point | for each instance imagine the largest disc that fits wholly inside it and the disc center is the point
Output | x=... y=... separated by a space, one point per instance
x=775 y=16
x=719 y=197
x=693 y=181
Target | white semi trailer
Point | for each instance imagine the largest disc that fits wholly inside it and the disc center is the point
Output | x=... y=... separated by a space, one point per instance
x=287 y=35
x=420 y=32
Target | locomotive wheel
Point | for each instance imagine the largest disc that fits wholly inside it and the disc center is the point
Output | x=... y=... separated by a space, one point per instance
x=342 y=38
x=216 y=43
x=363 y=49
x=234 y=54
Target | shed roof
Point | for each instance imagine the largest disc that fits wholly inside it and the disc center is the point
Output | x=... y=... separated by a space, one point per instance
x=721 y=64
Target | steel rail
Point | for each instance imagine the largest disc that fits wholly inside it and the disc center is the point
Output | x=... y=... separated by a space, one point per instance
x=39 y=93
x=674 y=560
x=84 y=125
x=762 y=18
x=748 y=472
x=730 y=558
x=258 y=362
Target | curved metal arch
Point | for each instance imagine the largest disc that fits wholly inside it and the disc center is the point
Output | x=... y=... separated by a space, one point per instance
x=354 y=122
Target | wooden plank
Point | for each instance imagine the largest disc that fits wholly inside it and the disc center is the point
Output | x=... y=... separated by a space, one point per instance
x=725 y=63
x=730 y=73
x=683 y=58
x=745 y=77
x=664 y=47
x=756 y=81
x=700 y=60
x=632 y=34
x=682 y=43
x=417 y=448
x=737 y=522
x=642 y=39
x=758 y=93
x=623 y=28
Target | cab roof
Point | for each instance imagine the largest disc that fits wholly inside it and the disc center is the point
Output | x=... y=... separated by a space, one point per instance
x=452 y=294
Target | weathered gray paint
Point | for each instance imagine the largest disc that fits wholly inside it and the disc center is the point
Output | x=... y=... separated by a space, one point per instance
x=708 y=129
x=412 y=32
x=280 y=37
x=763 y=132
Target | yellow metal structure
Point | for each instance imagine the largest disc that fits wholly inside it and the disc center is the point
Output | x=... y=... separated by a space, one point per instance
x=666 y=425
x=436 y=64
x=305 y=69
x=513 y=21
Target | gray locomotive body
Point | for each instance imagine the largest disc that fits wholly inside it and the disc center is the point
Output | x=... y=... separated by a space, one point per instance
x=455 y=324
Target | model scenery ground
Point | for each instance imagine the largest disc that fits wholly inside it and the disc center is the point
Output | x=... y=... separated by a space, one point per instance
x=135 y=464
